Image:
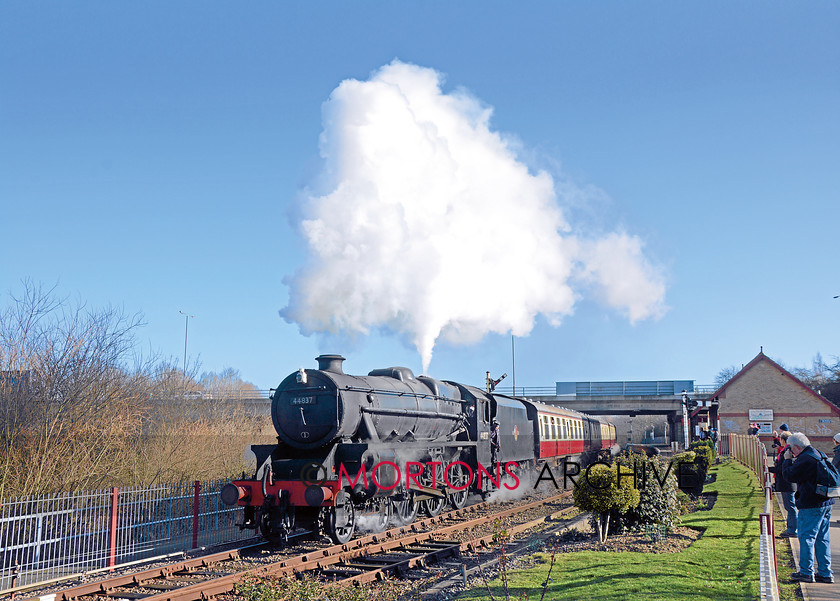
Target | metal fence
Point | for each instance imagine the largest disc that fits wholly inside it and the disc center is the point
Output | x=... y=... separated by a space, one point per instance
x=49 y=537
x=750 y=451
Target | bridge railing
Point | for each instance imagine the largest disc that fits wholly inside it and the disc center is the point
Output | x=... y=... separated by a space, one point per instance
x=699 y=391
x=527 y=391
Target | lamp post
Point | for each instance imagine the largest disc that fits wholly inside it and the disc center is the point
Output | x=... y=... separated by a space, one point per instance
x=685 y=401
x=186 y=331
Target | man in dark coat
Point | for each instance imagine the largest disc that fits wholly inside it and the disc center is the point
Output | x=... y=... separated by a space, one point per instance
x=800 y=467
x=785 y=488
x=495 y=445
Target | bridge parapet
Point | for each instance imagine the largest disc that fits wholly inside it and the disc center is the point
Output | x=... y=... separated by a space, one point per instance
x=620 y=404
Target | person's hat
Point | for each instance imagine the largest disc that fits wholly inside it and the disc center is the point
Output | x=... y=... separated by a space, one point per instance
x=837 y=438
x=784 y=427
x=495 y=421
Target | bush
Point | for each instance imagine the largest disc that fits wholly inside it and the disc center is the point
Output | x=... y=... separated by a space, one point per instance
x=600 y=491
x=659 y=504
x=705 y=451
x=690 y=475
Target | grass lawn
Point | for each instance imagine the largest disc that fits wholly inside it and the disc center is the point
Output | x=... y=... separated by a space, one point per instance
x=722 y=564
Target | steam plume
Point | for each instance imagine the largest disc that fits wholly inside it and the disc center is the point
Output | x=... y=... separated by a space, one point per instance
x=421 y=208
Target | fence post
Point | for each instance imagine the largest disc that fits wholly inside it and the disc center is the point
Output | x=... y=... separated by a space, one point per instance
x=768 y=507
x=196 y=502
x=112 y=531
x=15 y=574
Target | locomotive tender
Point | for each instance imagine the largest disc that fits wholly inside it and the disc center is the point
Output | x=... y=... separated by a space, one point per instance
x=389 y=444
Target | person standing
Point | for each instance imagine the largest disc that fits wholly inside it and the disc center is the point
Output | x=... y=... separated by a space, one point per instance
x=814 y=511
x=785 y=488
x=495 y=445
x=836 y=460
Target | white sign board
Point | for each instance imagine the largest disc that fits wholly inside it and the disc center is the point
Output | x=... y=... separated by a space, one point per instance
x=765 y=428
x=761 y=415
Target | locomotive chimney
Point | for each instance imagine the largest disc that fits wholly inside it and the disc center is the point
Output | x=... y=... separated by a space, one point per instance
x=331 y=363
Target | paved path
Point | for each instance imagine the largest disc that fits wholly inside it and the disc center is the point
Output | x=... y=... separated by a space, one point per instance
x=816 y=591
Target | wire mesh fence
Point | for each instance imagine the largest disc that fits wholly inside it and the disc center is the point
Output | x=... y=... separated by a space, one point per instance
x=53 y=536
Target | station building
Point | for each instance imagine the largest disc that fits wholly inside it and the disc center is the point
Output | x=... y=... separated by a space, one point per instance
x=766 y=393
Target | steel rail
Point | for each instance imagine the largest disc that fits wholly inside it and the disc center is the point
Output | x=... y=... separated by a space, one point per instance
x=456 y=547
x=394 y=538
x=331 y=556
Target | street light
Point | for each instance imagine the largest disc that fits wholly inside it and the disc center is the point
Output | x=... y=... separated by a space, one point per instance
x=686 y=400
x=186 y=330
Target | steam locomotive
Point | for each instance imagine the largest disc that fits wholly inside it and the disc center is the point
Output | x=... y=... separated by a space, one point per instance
x=389 y=445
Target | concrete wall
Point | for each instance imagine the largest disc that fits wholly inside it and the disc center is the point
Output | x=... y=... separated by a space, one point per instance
x=641 y=424
x=766 y=386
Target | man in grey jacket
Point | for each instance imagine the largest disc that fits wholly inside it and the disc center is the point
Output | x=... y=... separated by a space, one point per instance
x=800 y=467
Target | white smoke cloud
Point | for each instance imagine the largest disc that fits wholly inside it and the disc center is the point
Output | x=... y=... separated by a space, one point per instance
x=422 y=207
x=623 y=278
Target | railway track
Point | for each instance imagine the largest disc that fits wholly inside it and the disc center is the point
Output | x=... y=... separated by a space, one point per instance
x=365 y=559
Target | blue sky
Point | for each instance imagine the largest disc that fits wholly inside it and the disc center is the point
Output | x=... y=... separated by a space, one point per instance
x=154 y=156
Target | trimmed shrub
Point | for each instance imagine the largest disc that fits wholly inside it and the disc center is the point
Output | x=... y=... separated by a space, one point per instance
x=690 y=473
x=600 y=490
x=705 y=451
x=659 y=504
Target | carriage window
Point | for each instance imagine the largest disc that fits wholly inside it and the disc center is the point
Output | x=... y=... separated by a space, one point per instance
x=553 y=428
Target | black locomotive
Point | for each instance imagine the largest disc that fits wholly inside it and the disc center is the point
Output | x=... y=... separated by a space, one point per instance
x=389 y=445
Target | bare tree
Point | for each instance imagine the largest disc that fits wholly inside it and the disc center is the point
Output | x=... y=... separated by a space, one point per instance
x=80 y=409
x=227 y=383
x=67 y=402
x=726 y=374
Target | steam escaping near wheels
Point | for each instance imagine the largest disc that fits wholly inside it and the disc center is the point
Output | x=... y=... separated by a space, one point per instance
x=420 y=203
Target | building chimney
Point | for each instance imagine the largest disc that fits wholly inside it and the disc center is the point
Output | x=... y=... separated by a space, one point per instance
x=330 y=363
